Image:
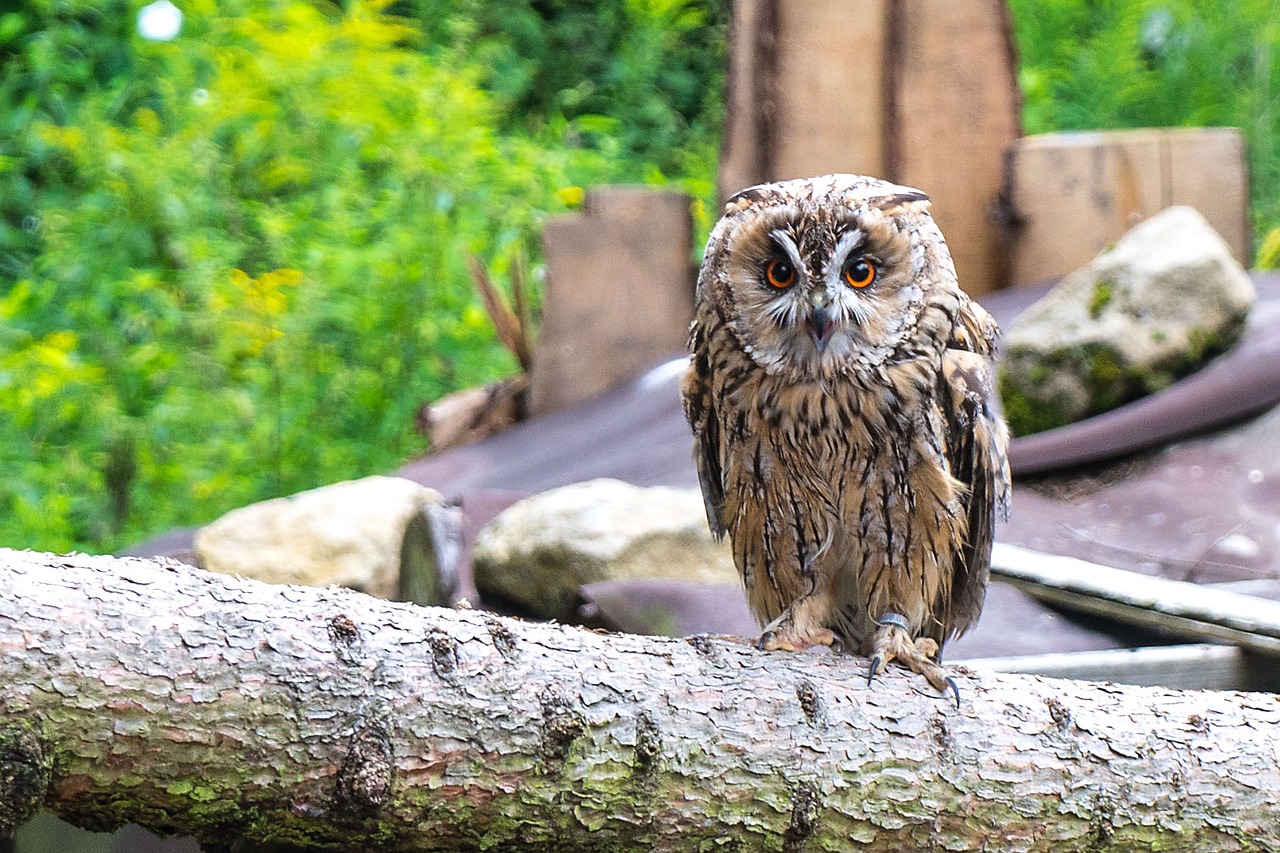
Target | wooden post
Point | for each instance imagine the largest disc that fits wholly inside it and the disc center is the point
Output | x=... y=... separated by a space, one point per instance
x=619 y=292
x=955 y=109
x=828 y=84
x=747 y=103
x=922 y=92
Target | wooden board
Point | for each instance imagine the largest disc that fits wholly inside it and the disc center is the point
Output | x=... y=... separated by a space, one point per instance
x=618 y=295
x=1208 y=170
x=828 y=88
x=1073 y=194
x=953 y=112
x=884 y=89
x=1182 y=609
x=1183 y=667
x=742 y=150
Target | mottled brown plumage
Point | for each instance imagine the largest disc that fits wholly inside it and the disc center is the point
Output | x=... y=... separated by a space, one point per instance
x=845 y=428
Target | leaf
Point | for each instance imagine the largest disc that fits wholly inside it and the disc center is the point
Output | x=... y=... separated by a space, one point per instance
x=505 y=322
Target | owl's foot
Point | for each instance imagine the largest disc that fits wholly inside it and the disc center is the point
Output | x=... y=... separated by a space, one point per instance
x=790 y=640
x=799 y=627
x=892 y=642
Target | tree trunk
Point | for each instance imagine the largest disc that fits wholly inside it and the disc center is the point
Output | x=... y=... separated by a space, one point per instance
x=140 y=691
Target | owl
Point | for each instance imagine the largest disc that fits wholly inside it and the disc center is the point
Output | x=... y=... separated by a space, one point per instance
x=846 y=434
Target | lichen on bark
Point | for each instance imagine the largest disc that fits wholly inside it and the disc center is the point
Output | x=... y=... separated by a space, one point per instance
x=25 y=771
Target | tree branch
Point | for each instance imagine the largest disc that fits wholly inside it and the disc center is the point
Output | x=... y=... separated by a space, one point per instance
x=139 y=691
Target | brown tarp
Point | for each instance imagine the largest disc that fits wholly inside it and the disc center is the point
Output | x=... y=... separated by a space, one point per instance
x=1183 y=484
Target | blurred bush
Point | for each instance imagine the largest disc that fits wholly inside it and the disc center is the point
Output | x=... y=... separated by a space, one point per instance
x=638 y=80
x=232 y=265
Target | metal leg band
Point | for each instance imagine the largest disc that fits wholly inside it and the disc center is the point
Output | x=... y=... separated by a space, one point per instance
x=895 y=620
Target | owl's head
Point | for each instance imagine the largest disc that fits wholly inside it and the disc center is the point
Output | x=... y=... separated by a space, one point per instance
x=820 y=277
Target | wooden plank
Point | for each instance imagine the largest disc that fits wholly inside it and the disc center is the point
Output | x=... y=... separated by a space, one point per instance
x=1207 y=170
x=618 y=295
x=1184 y=667
x=828 y=88
x=885 y=89
x=954 y=112
x=1183 y=609
x=1073 y=194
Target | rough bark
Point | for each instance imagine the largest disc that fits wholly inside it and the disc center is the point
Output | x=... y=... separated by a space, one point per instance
x=135 y=691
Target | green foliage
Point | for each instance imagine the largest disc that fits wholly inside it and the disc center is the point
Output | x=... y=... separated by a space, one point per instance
x=234 y=264
x=634 y=79
x=638 y=81
x=1269 y=251
x=1157 y=63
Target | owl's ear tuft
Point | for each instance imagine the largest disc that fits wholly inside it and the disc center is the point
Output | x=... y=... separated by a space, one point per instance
x=888 y=203
x=743 y=199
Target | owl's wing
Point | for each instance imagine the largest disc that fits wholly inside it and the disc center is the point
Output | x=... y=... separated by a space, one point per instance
x=977 y=440
x=699 y=408
x=974 y=329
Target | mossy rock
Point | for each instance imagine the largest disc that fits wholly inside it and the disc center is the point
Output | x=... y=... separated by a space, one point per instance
x=1154 y=308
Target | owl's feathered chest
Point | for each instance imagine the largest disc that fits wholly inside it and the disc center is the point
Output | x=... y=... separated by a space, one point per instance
x=845 y=480
x=851 y=417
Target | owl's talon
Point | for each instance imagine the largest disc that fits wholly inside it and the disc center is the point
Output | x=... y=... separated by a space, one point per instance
x=892 y=641
x=955 y=690
x=837 y=646
x=766 y=641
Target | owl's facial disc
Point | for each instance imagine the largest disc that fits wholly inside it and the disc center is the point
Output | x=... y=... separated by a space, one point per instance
x=813 y=293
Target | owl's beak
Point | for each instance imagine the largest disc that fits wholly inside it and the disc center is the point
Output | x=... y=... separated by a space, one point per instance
x=820 y=326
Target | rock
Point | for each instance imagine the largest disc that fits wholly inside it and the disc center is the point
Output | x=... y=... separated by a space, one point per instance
x=1152 y=309
x=539 y=551
x=356 y=534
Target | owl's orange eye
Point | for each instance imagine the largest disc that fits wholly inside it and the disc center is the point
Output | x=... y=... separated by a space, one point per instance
x=780 y=273
x=859 y=272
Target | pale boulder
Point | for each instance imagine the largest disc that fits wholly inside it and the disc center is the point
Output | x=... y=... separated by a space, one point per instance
x=1152 y=309
x=355 y=534
x=539 y=551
